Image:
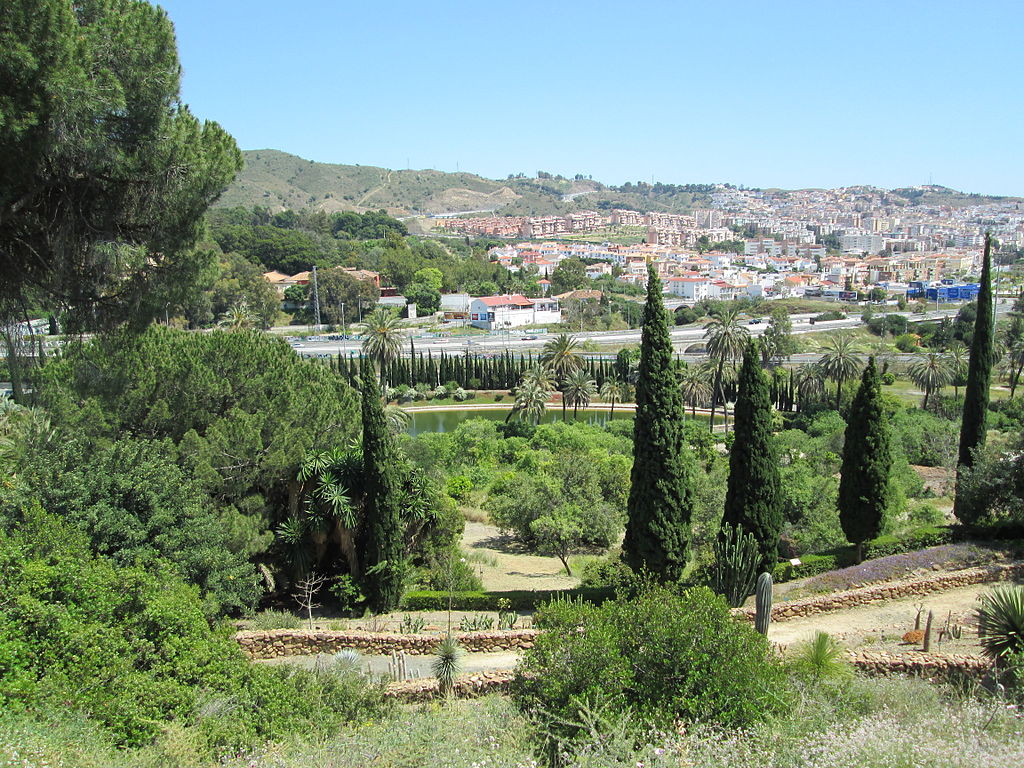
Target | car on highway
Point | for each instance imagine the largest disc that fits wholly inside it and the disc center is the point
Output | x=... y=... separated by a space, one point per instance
x=529 y=338
x=754 y=321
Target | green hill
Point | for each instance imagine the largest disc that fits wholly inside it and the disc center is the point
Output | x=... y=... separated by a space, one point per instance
x=278 y=180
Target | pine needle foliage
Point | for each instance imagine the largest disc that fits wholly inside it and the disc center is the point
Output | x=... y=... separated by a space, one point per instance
x=753 y=498
x=659 y=506
x=979 y=371
x=383 y=527
x=865 y=490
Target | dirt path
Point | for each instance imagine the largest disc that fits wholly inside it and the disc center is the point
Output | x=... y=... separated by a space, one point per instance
x=514 y=569
x=884 y=623
x=417 y=666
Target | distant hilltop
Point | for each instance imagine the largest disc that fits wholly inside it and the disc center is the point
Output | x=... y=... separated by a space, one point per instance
x=278 y=180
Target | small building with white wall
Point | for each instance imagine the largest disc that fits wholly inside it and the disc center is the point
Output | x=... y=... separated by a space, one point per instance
x=497 y=312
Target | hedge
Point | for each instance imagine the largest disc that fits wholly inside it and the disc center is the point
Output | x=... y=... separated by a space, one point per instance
x=519 y=600
x=883 y=546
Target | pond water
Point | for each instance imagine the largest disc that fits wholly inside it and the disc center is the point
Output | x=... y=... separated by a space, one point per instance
x=446 y=421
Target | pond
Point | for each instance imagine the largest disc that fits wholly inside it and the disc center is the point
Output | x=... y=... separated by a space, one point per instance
x=446 y=421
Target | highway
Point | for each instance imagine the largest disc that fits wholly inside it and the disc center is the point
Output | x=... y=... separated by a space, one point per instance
x=683 y=337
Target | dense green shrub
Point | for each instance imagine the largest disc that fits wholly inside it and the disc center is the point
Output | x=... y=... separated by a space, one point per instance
x=665 y=656
x=132 y=650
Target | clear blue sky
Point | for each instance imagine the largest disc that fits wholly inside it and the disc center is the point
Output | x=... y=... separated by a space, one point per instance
x=786 y=94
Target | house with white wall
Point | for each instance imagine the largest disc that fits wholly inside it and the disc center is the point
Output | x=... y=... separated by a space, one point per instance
x=498 y=312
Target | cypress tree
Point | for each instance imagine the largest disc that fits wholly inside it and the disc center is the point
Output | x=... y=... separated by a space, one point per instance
x=979 y=373
x=659 y=507
x=383 y=526
x=753 y=500
x=865 y=490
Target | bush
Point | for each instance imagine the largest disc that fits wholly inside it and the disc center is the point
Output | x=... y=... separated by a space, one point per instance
x=132 y=650
x=271 y=619
x=888 y=378
x=832 y=314
x=665 y=656
x=906 y=342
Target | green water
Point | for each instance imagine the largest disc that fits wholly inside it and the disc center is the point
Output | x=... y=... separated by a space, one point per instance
x=446 y=421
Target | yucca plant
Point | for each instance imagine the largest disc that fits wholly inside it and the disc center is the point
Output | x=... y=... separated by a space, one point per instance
x=447 y=665
x=1001 y=622
x=820 y=659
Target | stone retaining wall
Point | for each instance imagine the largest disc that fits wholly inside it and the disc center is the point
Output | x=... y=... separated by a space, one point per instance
x=466 y=686
x=837 y=601
x=298 y=642
x=934 y=666
x=919 y=664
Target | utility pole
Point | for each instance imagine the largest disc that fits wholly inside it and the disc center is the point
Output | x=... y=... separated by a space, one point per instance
x=344 y=326
x=316 y=303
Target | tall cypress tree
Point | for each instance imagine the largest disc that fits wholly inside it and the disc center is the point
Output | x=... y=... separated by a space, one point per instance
x=979 y=372
x=658 y=529
x=865 y=490
x=753 y=500
x=382 y=537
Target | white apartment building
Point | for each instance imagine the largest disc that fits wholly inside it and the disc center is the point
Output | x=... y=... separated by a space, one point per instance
x=498 y=312
x=688 y=288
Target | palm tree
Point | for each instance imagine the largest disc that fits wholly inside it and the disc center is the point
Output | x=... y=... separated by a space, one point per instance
x=809 y=382
x=397 y=418
x=561 y=356
x=612 y=390
x=383 y=342
x=531 y=402
x=329 y=511
x=726 y=340
x=238 y=316
x=930 y=372
x=839 y=362
x=695 y=381
x=539 y=376
x=579 y=389
x=958 y=356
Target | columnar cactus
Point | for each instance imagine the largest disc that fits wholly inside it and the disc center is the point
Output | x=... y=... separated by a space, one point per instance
x=763 y=603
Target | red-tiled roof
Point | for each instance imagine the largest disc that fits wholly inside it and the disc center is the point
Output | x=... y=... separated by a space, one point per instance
x=518 y=300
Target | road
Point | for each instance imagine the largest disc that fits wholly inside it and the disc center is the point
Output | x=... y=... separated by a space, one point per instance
x=684 y=338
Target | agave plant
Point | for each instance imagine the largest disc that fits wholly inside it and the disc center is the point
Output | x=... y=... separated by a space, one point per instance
x=1001 y=622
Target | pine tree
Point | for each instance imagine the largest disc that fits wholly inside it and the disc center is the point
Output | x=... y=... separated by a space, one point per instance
x=865 y=490
x=979 y=372
x=659 y=507
x=383 y=545
x=753 y=500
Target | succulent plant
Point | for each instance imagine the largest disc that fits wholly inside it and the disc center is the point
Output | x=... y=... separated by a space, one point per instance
x=735 y=569
x=447 y=665
x=763 y=603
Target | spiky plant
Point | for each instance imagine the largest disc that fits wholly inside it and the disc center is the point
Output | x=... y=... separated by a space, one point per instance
x=447 y=665
x=820 y=658
x=737 y=557
x=1001 y=622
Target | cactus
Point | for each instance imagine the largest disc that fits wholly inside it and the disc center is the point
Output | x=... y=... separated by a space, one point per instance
x=763 y=603
x=928 y=633
x=735 y=568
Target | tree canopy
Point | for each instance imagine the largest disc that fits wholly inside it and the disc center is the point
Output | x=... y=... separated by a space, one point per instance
x=106 y=175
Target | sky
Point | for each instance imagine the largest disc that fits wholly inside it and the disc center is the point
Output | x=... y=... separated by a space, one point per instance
x=786 y=94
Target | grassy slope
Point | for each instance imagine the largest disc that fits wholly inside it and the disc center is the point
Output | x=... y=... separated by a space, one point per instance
x=279 y=180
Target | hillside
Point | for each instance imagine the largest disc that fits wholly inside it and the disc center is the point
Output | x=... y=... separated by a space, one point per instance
x=279 y=180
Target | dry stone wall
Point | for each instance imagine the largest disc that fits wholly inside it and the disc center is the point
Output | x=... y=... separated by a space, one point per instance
x=298 y=642
x=920 y=664
x=837 y=601
x=466 y=686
